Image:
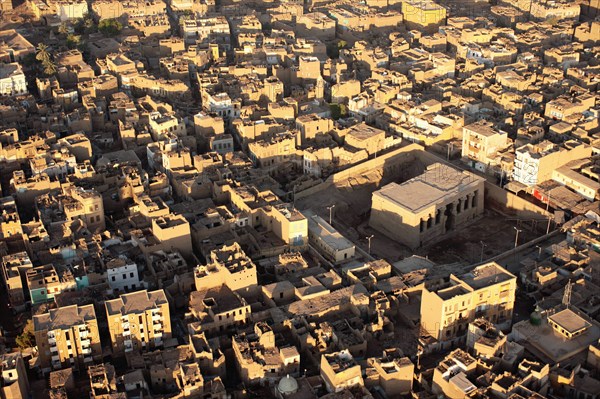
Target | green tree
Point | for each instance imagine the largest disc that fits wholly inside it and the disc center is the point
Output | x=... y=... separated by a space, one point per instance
x=63 y=29
x=88 y=23
x=49 y=67
x=29 y=60
x=110 y=27
x=85 y=24
x=26 y=339
x=42 y=54
x=73 y=41
x=338 y=111
x=333 y=51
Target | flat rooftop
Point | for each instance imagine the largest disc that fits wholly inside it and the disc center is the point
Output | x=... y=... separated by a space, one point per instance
x=551 y=346
x=486 y=275
x=439 y=183
x=64 y=318
x=570 y=321
x=322 y=229
x=136 y=302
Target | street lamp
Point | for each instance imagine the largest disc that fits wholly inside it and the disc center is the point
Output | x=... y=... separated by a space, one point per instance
x=548 y=206
x=517 y=235
x=330 y=213
x=483 y=245
x=539 y=252
x=369 y=245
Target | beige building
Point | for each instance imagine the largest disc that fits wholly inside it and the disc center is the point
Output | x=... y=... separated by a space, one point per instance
x=316 y=24
x=427 y=206
x=14 y=46
x=425 y=16
x=339 y=371
x=447 y=307
x=264 y=209
x=138 y=321
x=67 y=337
x=451 y=378
x=228 y=265
x=275 y=152
x=259 y=360
x=217 y=309
x=484 y=339
x=14 y=383
x=10 y=223
x=396 y=372
x=481 y=142
x=568 y=175
x=365 y=137
x=14 y=269
x=536 y=163
x=87 y=205
x=173 y=231
x=327 y=240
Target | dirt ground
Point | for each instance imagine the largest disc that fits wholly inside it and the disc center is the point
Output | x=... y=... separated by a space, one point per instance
x=493 y=233
x=351 y=214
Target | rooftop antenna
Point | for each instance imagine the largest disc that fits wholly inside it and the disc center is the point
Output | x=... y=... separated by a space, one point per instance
x=567 y=295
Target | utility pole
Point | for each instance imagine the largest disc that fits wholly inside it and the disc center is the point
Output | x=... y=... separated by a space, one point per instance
x=331 y=214
x=517 y=236
x=483 y=245
x=369 y=241
x=547 y=206
x=450 y=145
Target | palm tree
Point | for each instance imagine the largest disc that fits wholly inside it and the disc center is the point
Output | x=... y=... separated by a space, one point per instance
x=73 y=40
x=49 y=67
x=42 y=53
x=63 y=29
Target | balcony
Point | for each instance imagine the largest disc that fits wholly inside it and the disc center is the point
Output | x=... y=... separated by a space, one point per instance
x=86 y=351
x=52 y=341
x=126 y=333
x=56 y=358
x=85 y=342
x=156 y=317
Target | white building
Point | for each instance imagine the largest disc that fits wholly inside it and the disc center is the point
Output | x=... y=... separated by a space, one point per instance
x=71 y=9
x=122 y=275
x=222 y=105
x=535 y=163
x=160 y=124
x=206 y=29
x=12 y=80
x=327 y=240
